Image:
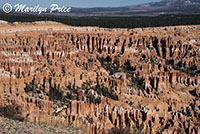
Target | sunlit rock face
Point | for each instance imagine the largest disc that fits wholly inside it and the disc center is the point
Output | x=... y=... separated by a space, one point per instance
x=103 y=80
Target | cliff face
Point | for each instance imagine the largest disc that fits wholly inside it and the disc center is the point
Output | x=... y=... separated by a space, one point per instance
x=105 y=80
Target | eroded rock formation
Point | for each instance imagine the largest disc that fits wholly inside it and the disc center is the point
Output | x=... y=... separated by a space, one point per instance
x=104 y=80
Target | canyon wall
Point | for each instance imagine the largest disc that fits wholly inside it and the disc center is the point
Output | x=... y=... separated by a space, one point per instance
x=103 y=80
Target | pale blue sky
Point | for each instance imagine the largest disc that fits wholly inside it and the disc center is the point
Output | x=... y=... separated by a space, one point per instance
x=77 y=3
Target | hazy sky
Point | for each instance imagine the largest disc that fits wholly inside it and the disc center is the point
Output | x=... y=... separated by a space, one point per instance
x=76 y=3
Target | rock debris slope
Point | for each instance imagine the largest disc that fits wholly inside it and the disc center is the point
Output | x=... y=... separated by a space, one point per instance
x=8 y=126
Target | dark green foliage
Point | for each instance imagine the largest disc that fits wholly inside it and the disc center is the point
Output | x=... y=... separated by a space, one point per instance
x=34 y=87
x=73 y=93
x=90 y=60
x=86 y=86
x=119 y=131
x=109 y=22
x=106 y=63
x=30 y=87
x=126 y=130
x=101 y=90
x=12 y=111
x=90 y=120
x=63 y=70
x=106 y=92
x=152 y=62
x=94 y=100
x=56 y=94
x=139 y=82
x=127 y=67
x=192 y=71
x=115 y=67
